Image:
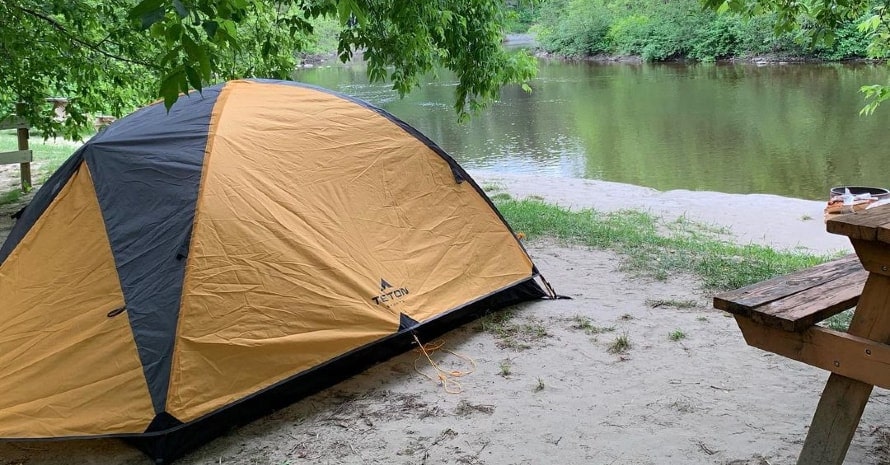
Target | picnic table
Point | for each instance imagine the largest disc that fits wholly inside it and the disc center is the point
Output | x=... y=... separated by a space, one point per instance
x=781 y=315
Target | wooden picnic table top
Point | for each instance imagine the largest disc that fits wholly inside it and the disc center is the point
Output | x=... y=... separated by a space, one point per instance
x=872 y=224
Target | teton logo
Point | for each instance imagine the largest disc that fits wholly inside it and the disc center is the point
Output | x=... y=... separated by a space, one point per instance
x=389 y=294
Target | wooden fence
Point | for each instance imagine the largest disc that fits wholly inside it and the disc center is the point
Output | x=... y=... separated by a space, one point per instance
x=23 y=156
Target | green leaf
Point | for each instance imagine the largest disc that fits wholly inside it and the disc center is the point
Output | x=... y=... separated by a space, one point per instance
x=170 y=85
x=194 y=77
x=180 y=8
x=191 y=48
x=152 y=17
x=173 y=33
x=210 y=28
x=349 y=9
x=144 y=7
x=204 y=63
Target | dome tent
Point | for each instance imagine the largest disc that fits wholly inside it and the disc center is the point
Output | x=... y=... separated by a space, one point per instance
x=189 y=270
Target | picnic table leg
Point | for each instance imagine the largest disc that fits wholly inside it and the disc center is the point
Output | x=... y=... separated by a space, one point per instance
x=835 y=421
x=844 y=399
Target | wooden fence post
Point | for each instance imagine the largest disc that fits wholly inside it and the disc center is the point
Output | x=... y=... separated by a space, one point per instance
x=23 y=136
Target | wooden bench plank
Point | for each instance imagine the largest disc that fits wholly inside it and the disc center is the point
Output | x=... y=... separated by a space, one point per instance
x=18 y=156
x=799 y=311
x=796 y=301
x=13 y=122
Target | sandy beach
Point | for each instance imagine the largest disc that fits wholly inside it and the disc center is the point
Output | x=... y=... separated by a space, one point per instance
x=560 y=396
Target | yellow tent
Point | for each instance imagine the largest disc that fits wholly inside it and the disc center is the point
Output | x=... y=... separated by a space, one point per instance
x=190 y=270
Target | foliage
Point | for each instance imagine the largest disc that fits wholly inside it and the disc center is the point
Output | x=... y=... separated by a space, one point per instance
x=574 y=28
x=521 y=15
x=110 y=56
x=659 y=30
x=844 y=27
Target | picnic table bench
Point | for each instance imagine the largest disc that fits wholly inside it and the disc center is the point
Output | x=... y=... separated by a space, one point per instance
x=780 y=315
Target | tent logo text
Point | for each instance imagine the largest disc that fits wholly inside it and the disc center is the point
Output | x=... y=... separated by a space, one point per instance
x=389 y=294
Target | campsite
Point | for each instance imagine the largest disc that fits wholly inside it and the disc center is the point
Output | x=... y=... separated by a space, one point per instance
x=350 y=232
x=553 y=391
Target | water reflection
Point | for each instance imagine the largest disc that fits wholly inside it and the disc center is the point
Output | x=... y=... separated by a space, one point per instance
x=785 y=129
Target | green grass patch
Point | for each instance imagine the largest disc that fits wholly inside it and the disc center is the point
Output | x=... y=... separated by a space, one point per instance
x=47 y=154
x=651 y=246
x=671 y=303
x=583 y=323
x=12 y=196
x=677 y=335
x=841 y=321
x=620 y=345
x=510 y=333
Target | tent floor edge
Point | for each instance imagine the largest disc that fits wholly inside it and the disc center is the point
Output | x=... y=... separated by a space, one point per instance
x=165 y=447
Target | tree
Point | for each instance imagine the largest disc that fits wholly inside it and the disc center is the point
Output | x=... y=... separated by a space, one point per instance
x=109 y=56
x=820 y=19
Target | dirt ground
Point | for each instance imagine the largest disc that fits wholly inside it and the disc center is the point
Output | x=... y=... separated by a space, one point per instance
x=555 y=391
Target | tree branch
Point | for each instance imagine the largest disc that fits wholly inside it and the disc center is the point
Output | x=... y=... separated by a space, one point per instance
x=94 y=47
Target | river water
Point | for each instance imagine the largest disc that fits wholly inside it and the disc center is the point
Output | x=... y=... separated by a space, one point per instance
x=786 y=129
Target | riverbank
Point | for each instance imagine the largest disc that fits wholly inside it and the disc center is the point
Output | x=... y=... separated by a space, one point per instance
x=779 y=222
x=560 y=389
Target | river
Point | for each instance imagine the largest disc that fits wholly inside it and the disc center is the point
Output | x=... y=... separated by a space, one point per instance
x=785 y=129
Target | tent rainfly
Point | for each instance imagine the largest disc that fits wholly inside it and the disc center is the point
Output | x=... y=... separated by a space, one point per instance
x=190 y=270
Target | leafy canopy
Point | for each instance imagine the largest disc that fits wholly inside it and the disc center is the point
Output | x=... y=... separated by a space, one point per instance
x=821 y=19
x=109 y=56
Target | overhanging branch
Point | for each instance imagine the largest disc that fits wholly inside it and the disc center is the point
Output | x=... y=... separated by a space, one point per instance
x=94 y=47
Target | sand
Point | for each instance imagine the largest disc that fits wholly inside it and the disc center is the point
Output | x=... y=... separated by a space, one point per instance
x=559 y=396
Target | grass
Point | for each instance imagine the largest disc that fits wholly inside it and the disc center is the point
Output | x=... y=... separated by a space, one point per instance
x=50 y=155
x=510 y=333
x=651 y=246
x=506 y=368
x=621 y=345
x=583 y=323
x=12 y=196
x=678 y=304
x=841 y=321
x=677 y=335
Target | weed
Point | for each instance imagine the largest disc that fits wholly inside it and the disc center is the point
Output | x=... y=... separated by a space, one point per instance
x=621 y=345
x=677 y=335
x=492 y=187
x=540 y=386
x=465 y=408
x=702 y=318
x=499 y=197
x=584 y=323
x=506 y=368
x=806 y=218
x=510 y=334
x=841 y=321
x=581 y=322
x=10 y=197
x=678 y=304
x=627 y=317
